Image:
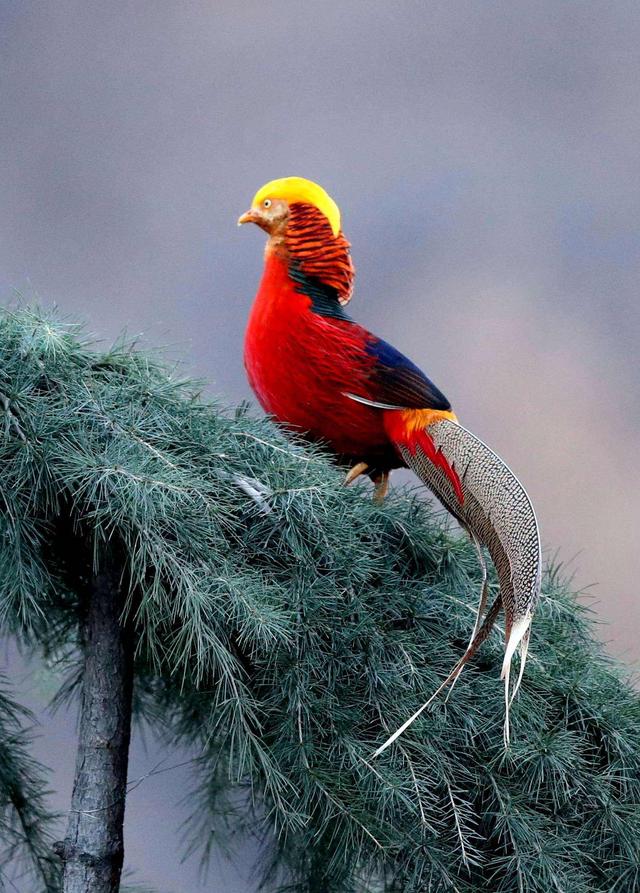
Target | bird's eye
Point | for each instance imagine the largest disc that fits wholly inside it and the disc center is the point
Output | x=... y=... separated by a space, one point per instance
x=266 y=203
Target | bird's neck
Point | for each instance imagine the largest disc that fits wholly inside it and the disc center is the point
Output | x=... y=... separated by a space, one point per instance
x=287 y=297
x=277 y=296
x=318 y=261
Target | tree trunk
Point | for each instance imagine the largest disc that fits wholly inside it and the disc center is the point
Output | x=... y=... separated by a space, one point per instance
x=93 y=849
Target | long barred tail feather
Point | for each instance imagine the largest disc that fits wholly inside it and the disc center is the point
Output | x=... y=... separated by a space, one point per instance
x=484 y=594
x=498 y=514
x=475 y=643
x=484 y=585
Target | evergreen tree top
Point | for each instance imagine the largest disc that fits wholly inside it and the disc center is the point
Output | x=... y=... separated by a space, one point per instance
x=286 y=625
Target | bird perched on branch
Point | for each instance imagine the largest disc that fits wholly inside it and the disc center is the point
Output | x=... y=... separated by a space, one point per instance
x=320 y=373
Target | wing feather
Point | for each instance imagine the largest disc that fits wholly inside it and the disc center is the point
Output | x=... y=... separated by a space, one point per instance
x=396 y=381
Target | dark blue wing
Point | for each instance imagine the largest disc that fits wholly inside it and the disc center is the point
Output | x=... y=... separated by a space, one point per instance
x=396 y=381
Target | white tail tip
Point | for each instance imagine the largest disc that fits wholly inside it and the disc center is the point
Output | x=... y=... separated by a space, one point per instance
x=518 y=631
x=519 y=636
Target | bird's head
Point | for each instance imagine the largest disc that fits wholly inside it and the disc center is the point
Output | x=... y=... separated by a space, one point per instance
x=270 y=206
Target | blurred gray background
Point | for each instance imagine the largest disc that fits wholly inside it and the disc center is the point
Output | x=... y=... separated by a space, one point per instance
x=486 y=159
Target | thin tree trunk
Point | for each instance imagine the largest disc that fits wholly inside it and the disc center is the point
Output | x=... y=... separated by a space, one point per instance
x=93 y=849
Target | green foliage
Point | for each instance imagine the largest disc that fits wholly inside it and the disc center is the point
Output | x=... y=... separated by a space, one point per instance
x=24 y=820
x=287 y=625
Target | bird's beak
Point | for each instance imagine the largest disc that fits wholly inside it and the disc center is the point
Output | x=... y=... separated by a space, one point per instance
x=250 y=216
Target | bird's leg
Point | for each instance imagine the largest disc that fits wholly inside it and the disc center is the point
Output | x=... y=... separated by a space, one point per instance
x=381 y=481
x=381 y=487
x=484 y=592
x=355 y=472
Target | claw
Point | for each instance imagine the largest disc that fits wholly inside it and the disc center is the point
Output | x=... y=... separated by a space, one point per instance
x=355 y=472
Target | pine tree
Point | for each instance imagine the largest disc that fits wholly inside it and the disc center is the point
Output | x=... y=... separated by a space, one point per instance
x=242 y=602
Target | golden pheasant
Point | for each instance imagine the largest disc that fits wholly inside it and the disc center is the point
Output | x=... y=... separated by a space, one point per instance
x=320 y=373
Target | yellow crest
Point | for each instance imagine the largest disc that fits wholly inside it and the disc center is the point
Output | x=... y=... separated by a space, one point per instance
x=297 y=189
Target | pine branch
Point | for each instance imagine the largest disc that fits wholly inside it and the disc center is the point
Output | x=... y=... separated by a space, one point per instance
x=284 y=624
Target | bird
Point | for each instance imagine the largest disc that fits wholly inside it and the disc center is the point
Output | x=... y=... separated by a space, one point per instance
x=321 y=374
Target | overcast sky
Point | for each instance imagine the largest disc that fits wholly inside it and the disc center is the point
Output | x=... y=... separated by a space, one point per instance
x=486 y=160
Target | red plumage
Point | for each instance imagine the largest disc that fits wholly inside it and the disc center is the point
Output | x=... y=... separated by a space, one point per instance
x=301 y=365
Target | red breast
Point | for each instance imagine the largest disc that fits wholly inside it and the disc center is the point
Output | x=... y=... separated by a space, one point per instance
x=300 y=365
